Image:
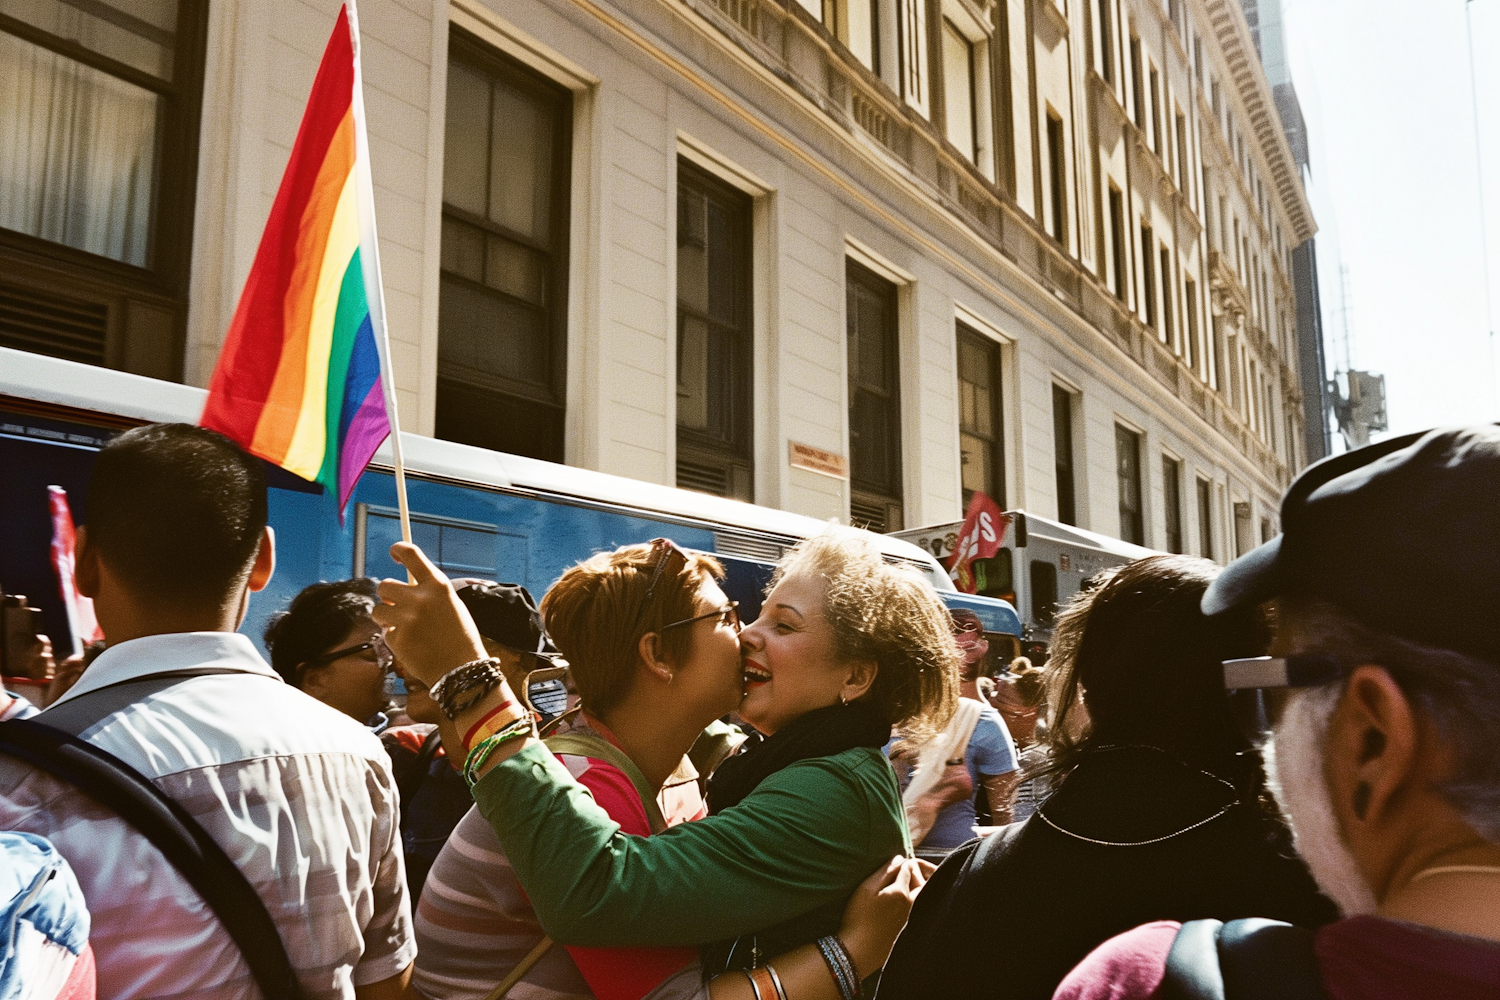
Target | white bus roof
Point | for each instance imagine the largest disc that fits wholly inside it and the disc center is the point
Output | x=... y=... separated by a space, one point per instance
x=103 y=390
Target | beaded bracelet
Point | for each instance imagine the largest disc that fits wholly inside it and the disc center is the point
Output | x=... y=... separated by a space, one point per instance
x=840 y=964
x=486 y=747
x=475 y=680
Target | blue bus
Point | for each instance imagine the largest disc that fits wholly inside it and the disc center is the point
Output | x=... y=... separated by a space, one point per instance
x=477 y=513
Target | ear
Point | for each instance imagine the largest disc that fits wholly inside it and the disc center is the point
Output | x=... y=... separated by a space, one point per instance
x=1372 y=756
x=648 y=648
x=264 y=566
x=86 y=564
x=859 y=679
x=312 y=681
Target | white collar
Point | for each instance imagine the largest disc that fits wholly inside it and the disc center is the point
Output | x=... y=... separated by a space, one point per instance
x=219 y=652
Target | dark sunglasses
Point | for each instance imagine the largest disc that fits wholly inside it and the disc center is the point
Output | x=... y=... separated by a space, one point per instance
x=664 y=552
x=729 y=615
x=1260 y=687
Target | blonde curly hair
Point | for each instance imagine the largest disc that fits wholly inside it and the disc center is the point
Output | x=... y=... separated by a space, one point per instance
x=891 y=615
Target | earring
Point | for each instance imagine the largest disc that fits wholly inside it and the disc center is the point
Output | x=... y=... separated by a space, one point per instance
x=843 y=700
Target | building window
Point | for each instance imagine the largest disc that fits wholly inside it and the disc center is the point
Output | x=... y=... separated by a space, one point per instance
x=857 y=24
x=714 y=361
x=1171 y=490
x=980 y=425
x=958 y=90
x=1244 y=539
x=502 y=332
x=1168 y=286
x=1058 y=176
x=874 y=400
x=99 y=114
x=968 y=120
x=1137 y=84
x=1148 y=273
x=1117 y=241
x=1182 y=155
x=1156 y=133
x=1190 y=321
x=1128 y=471
x=1106 y=42
x=911 y=34
x=1205 y=519
x=1062 y=454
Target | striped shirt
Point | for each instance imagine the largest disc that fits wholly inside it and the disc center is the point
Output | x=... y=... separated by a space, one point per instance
x=474 y=923
x=296 y=793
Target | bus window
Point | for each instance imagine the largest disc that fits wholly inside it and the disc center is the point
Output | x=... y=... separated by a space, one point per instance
x=460 y=548
x=1043 y=592
x=992 y=577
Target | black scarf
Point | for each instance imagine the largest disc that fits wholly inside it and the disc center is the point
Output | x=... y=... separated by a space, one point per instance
x=820 y=733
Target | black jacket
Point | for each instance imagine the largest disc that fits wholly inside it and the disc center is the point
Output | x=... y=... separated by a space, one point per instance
x=1009 y=916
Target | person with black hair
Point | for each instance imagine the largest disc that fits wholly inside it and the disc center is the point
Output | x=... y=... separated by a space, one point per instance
x=298 y=795
x=1158 y=813
x=327 y=644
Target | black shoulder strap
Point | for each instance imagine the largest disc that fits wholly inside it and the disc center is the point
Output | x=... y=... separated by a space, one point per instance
x=120 y=788
x=1242 y=960
x=74 y=715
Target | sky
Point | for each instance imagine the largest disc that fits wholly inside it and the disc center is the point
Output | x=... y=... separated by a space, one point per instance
x=1385 y=88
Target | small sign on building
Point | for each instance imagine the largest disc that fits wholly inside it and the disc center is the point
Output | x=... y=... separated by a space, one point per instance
x=824 y=463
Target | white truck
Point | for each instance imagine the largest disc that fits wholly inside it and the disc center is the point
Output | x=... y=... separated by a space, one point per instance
x=1041 y=563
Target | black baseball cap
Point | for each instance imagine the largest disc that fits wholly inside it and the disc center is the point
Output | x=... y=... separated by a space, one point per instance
x=506 y=614
x=1403 y=536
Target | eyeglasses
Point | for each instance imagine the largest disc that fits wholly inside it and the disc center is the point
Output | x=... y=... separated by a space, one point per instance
x=1260 y=687
x=384 y=658
x=729 y=615
x=663 y=552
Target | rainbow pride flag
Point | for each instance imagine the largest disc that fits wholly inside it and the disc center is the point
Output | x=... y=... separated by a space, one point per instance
x=299 y=381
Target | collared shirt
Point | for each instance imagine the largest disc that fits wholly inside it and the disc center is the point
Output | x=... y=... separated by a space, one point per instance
x=298 y=795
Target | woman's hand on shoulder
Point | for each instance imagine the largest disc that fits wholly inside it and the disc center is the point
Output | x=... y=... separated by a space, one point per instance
x=878 y=910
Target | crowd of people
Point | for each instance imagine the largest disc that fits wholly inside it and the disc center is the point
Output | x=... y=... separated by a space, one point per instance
x=1277 y=779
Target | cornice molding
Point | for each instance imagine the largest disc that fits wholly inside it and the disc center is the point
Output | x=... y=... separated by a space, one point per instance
x=1250 y=82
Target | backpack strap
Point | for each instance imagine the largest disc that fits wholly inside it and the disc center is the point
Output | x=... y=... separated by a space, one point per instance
x=120 y=788
x=76 y=714
x=1251 y=959
x=591 y=745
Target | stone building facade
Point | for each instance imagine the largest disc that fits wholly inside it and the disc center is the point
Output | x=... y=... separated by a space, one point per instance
x=852 y=258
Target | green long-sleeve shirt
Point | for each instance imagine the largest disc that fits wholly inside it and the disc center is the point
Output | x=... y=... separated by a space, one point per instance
x=781 y=864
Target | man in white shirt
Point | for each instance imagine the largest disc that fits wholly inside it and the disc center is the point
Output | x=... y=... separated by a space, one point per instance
x=299 y=796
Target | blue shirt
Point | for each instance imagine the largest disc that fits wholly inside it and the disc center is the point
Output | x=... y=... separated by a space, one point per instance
x=991 y=751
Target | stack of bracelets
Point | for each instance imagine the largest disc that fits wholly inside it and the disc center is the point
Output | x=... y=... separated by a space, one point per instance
x=766 y=984
x=841 y=965
x=459 y=690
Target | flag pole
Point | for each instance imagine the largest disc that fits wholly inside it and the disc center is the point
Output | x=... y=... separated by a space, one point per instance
x=370 y=258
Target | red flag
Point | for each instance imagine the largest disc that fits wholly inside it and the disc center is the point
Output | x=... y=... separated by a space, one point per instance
x=80 y=609
x=981 y=536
